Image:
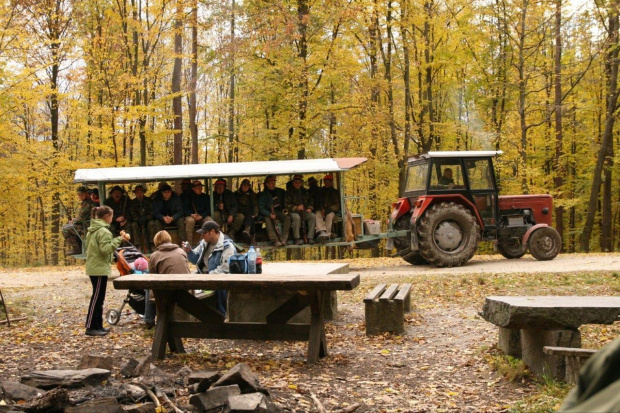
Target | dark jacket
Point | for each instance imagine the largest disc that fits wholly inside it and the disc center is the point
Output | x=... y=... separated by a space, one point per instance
x=121 y=209
x=196 y=204
x=330 y=200
x=228 y=199
x=84 y=214
x=316 y=193
x=295 y=197
x=247 y=202
x=169 y=259
x=141 y=211
x=172 y=208
x=267 y=199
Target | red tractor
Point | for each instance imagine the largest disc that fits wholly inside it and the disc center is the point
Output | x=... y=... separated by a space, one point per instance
x=451 y=203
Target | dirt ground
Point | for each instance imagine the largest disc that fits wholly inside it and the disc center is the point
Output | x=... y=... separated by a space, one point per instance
x=442 y=363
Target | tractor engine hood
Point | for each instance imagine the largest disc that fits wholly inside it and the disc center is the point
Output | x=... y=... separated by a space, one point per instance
x=540 y=205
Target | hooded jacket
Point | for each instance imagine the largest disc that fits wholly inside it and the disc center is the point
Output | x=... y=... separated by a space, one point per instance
x=218 y=256
x=169 y=259
x=100 y=246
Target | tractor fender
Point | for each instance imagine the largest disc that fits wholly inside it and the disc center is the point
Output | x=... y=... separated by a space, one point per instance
x=529 y=232
x=400 y=208
x=424 y=202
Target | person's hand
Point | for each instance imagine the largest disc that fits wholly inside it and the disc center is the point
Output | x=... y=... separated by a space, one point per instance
x=167 y=219
x=309 y=210
x=125 y=236
x=220 y=206
x=272 y=216
x=230 y=219
x=120 y=219
x=450 y=186
x=186 y=246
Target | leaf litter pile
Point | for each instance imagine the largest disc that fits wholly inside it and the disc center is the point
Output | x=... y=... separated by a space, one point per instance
x=446 y=361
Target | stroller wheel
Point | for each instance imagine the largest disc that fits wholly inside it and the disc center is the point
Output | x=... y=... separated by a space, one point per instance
x=112 y=316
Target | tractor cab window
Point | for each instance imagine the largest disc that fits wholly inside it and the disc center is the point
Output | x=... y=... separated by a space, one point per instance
x=416 y=177
x=447 y=175
x=479 y=172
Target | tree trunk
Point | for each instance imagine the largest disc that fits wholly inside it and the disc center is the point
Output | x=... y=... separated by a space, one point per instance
x=606 y=149
x=193 y=80
x=402 y=164
x=177 y=106
x=559 y=152
x=232 y=149
x=303 y=16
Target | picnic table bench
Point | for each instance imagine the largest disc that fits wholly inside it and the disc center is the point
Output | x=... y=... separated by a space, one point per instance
x=529 y=323
x=171 y=290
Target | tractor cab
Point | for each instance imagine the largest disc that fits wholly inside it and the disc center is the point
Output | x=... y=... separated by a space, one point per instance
x=467 y=174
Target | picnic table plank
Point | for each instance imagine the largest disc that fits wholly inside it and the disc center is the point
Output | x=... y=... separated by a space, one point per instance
x=237 y=281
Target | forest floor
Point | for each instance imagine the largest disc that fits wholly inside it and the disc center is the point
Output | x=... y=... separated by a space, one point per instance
x=446 y=361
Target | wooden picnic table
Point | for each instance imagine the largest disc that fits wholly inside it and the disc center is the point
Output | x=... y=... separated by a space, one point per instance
x=171 y=290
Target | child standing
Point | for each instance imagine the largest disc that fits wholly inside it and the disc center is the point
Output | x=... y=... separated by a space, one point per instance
x=100 y=246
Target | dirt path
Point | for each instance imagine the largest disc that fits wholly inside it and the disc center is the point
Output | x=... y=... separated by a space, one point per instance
x=440 y=364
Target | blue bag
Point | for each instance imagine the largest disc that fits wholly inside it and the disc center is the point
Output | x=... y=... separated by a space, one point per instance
x=238 y=264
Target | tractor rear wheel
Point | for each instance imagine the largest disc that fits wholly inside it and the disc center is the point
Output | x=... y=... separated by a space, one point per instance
x=448 y=235
x=545 y=244
x=511 y=248
x=403 y=244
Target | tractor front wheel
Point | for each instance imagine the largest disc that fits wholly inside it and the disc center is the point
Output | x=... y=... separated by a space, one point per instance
x=511 y=248
x=545 y=244
x=448 y=235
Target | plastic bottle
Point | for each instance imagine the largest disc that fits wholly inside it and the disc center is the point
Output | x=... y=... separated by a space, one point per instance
x=259 y=262
x=252 y=260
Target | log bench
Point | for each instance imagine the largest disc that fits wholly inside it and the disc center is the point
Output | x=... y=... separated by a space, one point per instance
x=385 y=308
x=529 y=323
x=574 y=359
x=171 y=290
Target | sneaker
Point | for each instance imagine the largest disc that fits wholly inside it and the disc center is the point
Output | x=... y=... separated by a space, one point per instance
x=93 y=332
x=299 y=241
x=322 y=237
x=106 y=329
x=332 y=235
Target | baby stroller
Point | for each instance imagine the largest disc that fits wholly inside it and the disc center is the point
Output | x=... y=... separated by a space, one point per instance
x=125 y=257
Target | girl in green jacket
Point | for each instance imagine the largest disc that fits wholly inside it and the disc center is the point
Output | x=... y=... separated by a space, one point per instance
x=100 y=246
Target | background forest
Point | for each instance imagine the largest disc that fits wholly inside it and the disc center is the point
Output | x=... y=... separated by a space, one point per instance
x=145 y=82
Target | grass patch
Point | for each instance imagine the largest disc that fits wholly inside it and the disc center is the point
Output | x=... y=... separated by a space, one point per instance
x=549 y=397
x=512 y=369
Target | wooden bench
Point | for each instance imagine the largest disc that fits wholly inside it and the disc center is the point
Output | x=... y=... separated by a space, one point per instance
x=529 y=323
x=385 y=308
x=171 y=290
x=574 y=359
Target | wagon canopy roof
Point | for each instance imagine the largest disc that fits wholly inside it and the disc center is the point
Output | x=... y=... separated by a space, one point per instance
x=455 y=154
x=214 y=170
